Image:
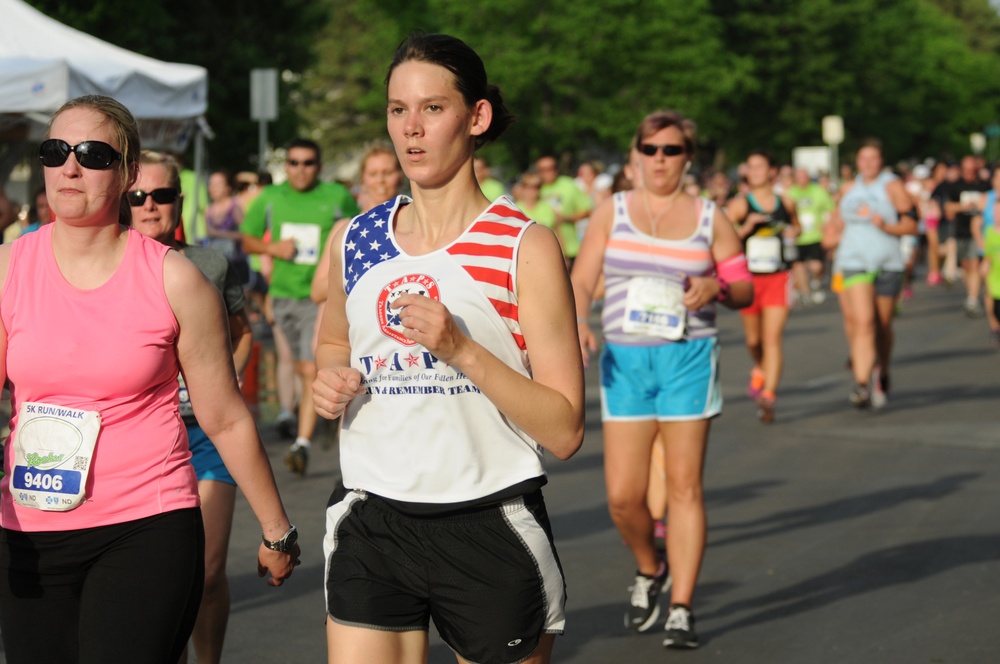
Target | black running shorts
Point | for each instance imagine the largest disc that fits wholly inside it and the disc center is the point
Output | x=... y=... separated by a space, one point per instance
x=811 y=252
x=489 y=576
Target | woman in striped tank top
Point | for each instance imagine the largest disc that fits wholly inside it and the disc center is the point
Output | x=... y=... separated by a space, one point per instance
x=667 y=258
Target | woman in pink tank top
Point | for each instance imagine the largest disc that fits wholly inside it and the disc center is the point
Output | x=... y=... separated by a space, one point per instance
x=102 y=557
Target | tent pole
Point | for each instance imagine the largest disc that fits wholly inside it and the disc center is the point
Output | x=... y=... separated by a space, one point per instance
x=199 y=173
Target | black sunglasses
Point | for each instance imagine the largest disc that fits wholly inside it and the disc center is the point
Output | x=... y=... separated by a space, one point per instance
x=307 y=162
x=95 y=155
x=649 y=149
x=164 y=196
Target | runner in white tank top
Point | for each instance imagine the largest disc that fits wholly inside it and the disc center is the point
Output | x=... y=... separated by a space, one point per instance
x=447 y=344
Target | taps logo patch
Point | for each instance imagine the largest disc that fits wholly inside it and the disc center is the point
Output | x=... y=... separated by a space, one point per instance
x=388 y=318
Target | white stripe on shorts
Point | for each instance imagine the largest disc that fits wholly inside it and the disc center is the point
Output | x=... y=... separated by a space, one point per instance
x=524 y=524
x=335 y=514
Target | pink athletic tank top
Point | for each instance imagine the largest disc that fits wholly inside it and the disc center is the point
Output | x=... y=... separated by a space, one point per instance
x=109 y=349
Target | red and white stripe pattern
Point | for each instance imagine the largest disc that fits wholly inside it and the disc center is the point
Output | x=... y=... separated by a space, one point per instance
x=488 y=252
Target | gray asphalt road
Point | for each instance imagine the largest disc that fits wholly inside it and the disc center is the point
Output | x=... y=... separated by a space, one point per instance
x=835 y=536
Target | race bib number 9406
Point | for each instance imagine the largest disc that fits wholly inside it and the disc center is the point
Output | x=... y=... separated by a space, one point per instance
x=53 y=448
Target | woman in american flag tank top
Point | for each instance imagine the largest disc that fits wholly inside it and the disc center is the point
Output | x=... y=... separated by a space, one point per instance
x=447 y=347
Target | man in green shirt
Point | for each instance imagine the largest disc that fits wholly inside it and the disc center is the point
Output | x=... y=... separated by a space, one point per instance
x=299 y=214
x=813 y=205
x=570 y=203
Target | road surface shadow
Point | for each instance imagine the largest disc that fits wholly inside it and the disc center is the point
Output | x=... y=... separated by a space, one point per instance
x=851 y=507
x=870 y=573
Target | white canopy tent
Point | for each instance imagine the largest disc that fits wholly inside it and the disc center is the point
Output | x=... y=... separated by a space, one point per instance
x=44 y=63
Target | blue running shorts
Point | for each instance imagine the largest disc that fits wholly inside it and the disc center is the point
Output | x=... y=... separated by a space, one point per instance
x=205 y=458
x=670 y=382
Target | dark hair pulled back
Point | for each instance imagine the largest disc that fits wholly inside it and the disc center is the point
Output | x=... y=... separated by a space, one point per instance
x=466 y=66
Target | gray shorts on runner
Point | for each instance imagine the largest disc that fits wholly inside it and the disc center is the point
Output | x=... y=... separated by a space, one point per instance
x=297 y=320
x=966 y=249
x=887 y=284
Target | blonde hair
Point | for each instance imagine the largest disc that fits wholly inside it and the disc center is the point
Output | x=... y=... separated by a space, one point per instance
x=374 y=150
x=123 y=126
x=126 y=132
x=153 y=158
x=530 y=177
x=169 y=164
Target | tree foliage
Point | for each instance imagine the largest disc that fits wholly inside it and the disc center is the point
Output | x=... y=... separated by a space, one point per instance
x=579 y=76
x=919 y=74
x=903 y=71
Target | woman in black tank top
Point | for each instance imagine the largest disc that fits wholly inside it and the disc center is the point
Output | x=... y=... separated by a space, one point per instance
x=767 y=224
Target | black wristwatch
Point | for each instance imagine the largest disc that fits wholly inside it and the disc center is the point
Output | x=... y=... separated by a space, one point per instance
x=286 y=542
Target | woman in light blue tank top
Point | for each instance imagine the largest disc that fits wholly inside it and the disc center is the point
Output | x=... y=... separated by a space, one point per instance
x=872 y=216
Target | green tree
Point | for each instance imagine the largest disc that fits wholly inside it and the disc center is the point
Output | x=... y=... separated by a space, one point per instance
x=903 y=71
x=979 y=22
x=342 y=96
x=579 y=76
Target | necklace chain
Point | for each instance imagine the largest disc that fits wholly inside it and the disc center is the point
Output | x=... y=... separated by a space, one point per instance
x=669 y=206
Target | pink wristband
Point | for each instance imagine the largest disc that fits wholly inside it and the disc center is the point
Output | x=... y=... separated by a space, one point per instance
x=733 y=269
x=723 y=289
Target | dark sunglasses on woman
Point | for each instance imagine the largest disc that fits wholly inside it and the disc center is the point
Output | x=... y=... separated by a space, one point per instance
x=95 y=155
x=650 y=150
x=164 y=196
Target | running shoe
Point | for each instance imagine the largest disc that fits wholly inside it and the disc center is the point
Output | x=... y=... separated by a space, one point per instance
x=286 y=425
x=765 y=407
x=660 y=536
x=818 y=297
x=644 y=605
x=880 y=395
x=861 y=396
x=972 y=309
x=756 y=383
x=995 y=338
x=908 y=293
x=933 y=279
x=680 y=628
x=297 y=459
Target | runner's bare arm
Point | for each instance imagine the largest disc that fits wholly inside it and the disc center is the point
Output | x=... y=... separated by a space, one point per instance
x=336 y=382
x=204 y=355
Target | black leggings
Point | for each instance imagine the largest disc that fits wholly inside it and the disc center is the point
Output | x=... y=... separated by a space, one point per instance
x=127 y=592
